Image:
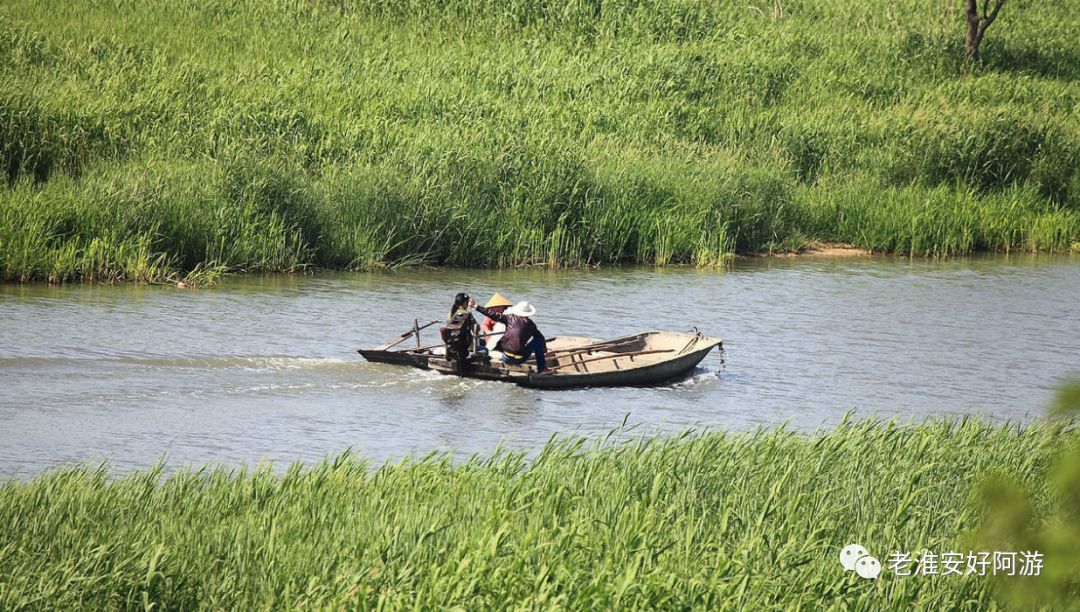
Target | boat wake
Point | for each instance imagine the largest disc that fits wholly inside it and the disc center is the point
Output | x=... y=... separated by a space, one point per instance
x=698 y=376
x=254 y=363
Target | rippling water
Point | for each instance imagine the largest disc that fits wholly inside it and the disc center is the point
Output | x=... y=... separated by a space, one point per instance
x=266 y=368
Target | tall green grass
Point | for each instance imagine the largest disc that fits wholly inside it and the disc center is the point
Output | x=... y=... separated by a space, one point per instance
x=711 y=520
x=354 y=134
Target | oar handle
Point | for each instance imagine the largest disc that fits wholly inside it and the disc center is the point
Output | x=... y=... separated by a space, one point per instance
x=612 y=356
x=405 y=336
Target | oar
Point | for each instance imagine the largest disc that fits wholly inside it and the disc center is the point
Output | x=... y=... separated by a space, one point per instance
x=599 y=346
x=614 y=356
x=551 y=339
x=405 y=336
x=589 y=348
x=415 y=349
x=431 y=346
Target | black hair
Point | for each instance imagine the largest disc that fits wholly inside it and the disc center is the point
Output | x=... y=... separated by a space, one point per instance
x=460 y=300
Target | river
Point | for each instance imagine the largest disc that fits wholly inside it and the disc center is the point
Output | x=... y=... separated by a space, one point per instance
x=265 y=368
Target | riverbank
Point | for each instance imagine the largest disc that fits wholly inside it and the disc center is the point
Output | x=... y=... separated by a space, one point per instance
x=820 y=249
x=709 y=520
x=144 y=142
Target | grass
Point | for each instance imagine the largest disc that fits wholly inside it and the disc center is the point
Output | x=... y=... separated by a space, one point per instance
x=707 y=520
x=141 y=140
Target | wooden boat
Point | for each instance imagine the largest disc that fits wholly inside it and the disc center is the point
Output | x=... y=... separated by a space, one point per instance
x=646 y=358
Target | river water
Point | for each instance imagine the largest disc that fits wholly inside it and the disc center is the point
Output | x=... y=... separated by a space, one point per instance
x=265 y=368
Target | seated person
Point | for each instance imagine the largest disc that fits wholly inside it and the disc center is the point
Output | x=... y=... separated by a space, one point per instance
x=461 y=319
x=521 y=339
x=490 y=328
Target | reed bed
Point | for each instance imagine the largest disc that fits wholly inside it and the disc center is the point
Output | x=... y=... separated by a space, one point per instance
x=139 y=140
x=702 y=520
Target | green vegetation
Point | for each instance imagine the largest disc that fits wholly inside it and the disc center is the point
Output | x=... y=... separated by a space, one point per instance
x=1016 y=517
x=141 y=139
x=746 y=521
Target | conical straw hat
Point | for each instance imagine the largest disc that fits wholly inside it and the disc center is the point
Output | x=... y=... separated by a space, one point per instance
x=498 y=300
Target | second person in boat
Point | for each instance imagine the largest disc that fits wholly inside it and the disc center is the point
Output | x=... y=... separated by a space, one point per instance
x=522 y=339
x=492 y=329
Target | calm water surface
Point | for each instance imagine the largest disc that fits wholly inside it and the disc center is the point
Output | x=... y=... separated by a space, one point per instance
x=266 y=369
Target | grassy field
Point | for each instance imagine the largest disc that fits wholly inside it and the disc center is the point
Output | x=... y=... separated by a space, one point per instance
x=145 y=139
x=709 y=521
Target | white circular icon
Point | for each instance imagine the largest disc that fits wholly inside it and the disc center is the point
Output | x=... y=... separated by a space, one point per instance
x=851 y=554
x=868 y=567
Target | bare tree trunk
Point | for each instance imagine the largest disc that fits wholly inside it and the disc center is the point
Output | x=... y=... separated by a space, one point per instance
x=971 y=15
x=977 y=24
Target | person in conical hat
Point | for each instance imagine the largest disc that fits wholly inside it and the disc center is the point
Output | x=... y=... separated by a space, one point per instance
x=522 y=339
x=492 y=329
x=498 y=301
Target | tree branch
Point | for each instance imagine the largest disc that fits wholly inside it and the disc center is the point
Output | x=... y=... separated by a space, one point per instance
x=977 y=24
x=987 y=20
x=971 y=10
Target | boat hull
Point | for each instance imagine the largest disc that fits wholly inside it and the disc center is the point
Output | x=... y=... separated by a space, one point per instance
x=653 y=374
x=635 y=360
